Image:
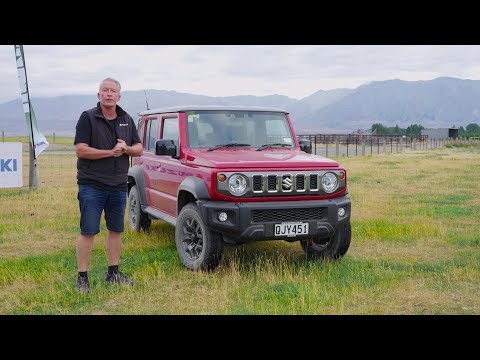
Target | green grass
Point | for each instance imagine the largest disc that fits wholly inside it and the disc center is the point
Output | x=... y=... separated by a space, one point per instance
x=50 y=139
x=415 y=250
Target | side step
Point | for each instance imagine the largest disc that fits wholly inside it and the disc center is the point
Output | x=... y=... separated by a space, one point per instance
x=158 y=215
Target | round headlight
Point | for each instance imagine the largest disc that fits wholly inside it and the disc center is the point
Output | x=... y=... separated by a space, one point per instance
x=329 y=182
x=237 y=184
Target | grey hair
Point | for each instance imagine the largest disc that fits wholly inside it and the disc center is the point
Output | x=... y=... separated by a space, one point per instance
x=110 y=79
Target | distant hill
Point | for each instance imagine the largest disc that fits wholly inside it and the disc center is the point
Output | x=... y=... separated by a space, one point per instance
x=442 y=102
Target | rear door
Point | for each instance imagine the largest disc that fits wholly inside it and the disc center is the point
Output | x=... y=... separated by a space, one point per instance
x=165 y=180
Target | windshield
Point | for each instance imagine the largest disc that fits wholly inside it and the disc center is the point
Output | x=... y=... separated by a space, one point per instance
x=210 y=129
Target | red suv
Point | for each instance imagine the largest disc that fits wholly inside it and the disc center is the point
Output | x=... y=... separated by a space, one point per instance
x=234 y=174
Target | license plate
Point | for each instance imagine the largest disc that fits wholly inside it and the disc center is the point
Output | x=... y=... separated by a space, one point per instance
x=291 y=229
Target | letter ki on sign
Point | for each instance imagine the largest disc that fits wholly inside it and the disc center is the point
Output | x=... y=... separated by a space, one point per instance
x=8 y=165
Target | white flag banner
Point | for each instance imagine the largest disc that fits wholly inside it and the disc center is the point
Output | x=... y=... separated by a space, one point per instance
x=39 y=141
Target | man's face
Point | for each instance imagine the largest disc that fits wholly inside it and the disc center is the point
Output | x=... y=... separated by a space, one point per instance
x=109 y=94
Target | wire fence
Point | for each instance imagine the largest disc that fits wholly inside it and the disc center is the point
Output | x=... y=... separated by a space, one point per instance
x=335 y=145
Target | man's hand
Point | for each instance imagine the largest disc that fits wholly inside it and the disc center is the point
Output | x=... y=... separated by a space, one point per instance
x=120 y=148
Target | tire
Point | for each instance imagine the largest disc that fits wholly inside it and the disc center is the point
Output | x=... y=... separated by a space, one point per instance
x=198 y=247
x=137 y=219
x=334 y=247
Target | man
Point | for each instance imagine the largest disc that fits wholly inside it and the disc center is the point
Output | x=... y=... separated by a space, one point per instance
x=105 y=138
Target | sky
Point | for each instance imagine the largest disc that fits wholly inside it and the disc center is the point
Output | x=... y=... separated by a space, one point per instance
x=295 y=71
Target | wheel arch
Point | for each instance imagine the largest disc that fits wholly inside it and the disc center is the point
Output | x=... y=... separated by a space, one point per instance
x=136 y=177
x=190 y=190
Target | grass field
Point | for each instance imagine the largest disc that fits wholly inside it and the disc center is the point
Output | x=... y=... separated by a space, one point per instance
x=415 y=250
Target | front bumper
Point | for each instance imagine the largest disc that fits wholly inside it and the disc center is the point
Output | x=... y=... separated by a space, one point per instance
x=253 y=221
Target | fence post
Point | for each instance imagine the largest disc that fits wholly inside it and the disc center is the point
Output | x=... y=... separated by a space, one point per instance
x=326 y=146
x=54 y=137
x=363 y=145
x=337 y=145
x=3 y=136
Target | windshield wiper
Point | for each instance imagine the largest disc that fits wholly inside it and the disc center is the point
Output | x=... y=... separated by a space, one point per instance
x=227 y=146
x=273 y=145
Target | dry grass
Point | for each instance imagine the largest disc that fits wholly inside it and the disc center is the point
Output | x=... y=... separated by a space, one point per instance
x=415 y=250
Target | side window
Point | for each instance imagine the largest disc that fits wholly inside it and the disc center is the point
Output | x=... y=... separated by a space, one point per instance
x=152 y=130
x=170 y=131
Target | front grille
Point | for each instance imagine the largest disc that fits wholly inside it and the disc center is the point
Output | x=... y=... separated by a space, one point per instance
x=300 y=182
x=279 y=183
x=280 y=215
x=257 y=183
x=272 y=183
x=284 y=183
x=313 y=182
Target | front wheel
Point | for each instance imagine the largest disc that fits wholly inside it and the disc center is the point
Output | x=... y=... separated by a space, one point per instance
x=198 y=247
x=137 y=219
x=330 y=248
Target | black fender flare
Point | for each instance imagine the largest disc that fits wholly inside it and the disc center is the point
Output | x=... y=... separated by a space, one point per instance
x=136 y=172
x=195 y=186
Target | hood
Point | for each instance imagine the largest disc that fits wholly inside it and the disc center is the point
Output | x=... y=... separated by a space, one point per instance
x=250 y=158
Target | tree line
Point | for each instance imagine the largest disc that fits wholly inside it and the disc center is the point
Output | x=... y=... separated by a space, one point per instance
x=471 y=129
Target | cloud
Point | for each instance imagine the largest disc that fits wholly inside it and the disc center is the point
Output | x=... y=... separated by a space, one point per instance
x=225 y=70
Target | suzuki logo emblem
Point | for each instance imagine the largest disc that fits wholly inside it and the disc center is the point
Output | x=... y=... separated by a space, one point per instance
x=287 y=183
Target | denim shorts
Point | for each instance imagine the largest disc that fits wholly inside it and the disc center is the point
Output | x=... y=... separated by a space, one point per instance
x=93 y=201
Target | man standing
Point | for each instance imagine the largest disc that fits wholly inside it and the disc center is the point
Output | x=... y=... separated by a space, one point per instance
x=105 y=138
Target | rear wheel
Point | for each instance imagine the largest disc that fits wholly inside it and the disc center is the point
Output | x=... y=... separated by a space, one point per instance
x=137 y=219
x=198 y=247
x=330 y=248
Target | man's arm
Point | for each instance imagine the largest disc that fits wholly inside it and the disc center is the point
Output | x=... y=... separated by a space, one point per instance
x=134 y=150
x=137 y=148
x=82 y=140
x=86 y=152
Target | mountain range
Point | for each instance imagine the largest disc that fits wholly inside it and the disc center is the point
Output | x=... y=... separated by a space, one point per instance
x=438 y=103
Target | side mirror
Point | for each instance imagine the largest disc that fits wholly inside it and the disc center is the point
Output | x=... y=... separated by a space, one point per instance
x=305 y=145
x=165 y=147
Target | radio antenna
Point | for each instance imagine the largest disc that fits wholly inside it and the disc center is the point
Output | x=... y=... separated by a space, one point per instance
x=146 y=99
